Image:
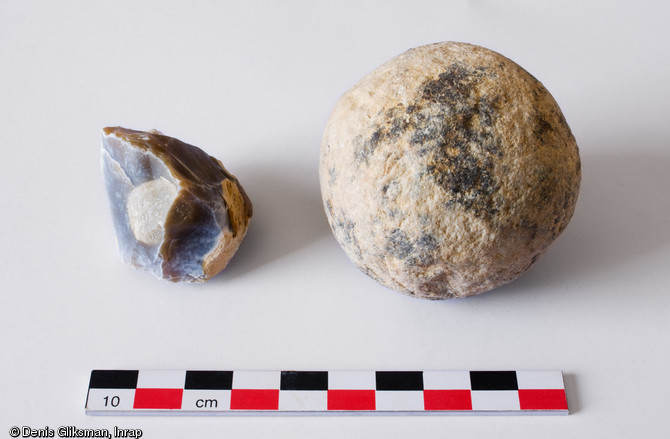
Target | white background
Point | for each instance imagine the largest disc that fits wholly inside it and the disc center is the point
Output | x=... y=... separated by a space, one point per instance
x=253 y=84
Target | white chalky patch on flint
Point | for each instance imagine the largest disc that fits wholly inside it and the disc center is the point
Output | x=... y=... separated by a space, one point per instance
x=148 y=206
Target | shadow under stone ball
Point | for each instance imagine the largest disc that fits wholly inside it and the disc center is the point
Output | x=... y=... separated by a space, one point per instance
x=448 y=171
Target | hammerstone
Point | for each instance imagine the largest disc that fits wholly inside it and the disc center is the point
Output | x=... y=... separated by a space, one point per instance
x=448 y=171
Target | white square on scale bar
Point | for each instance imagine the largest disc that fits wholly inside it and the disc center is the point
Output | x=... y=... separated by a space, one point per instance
x=110 y=399
x=256 y=379
x=401 y=400
x=303 y=400
x=352 y=380
x=161 y=379
x=446 y=380
x=206 y=400
x=495 y=400
x=540 y=379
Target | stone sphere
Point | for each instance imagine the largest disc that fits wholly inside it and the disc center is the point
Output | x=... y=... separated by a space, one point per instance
x=448 y=171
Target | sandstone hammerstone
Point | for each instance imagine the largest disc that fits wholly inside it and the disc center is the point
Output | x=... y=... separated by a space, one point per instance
x=448 y=171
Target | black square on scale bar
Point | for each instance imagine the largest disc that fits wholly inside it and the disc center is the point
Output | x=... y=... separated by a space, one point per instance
x=493 y=380
x=113 y=379
x=209 y=379
x=399 y=380
x=303 y=380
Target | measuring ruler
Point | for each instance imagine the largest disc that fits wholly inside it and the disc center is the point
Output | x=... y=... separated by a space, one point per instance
x=218 y=392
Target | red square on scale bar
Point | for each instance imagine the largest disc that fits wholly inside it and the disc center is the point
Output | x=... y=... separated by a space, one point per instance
x=351 y=399
x=542 y=399
x=254 y=399
x=447 y=400
x=160 y=399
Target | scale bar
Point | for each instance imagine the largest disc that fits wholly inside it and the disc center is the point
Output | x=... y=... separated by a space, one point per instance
x=221 y=392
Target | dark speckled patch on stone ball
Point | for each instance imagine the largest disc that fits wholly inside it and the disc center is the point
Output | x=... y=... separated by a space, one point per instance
x=414 y=252
x=398 y=244
x=452 y=128
x=344 y=228
x=391 y=127
x=452 y=85
x=425 y=247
